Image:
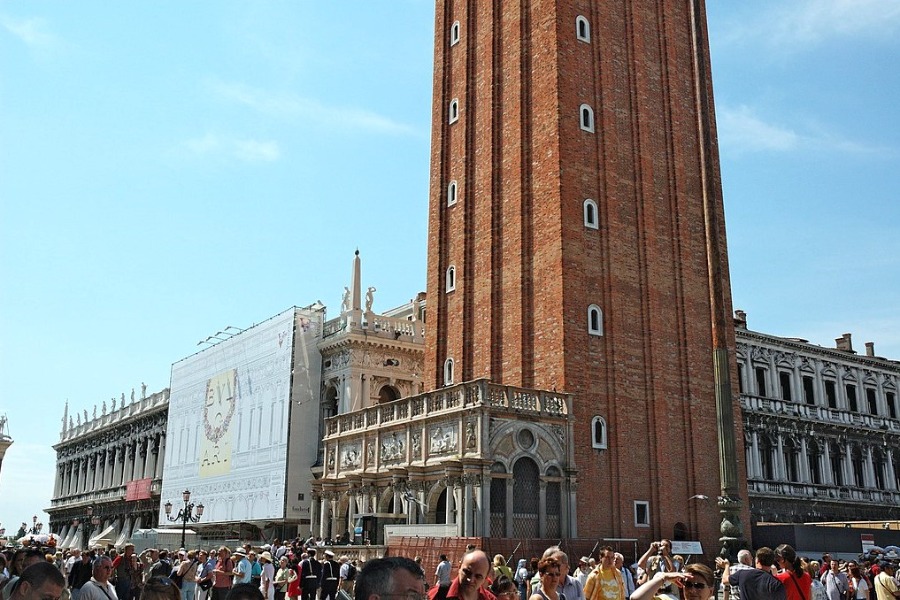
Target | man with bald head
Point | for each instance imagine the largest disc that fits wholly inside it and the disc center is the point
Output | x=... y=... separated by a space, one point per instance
x=469 y=582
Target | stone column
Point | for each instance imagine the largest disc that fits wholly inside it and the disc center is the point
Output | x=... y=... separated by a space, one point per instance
x=510 y=486
x=459 y=518
x=351 y=512
x=483 y=523
x=323 y=515
x=160 y=456
x=144 y=458
x=754 y=455
x=870 y=468
x=542 y=508
x=314 y=512
x=889 y=481
x=57 y=481
x=449 y=504
x=804 y=462
x=780 y=467
x=335 y=518
x=152 y=450
x=847 y=466
x=468 y=509
x=827 y=476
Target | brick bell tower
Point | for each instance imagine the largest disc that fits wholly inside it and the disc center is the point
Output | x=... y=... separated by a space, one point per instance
x=577 y=243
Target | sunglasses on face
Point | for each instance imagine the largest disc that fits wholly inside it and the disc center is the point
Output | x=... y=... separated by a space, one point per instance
x=697 y=585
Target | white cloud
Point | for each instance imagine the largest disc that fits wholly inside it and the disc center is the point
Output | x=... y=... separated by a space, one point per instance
x=245 y=150
x=292 y=107
x=33 y=32
x=807 y=22
x=742 y=130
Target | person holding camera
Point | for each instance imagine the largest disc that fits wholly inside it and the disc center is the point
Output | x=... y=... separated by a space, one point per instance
x=658 y=559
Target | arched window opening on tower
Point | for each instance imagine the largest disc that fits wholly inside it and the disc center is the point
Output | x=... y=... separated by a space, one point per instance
x=448 y=371
x=454 y=33
x=454 y=110
x=598 y=433
x=451 y=193
x=583 y=29
x=595 y=320
x=451 y=278
x=587 y=118
x=590 y=214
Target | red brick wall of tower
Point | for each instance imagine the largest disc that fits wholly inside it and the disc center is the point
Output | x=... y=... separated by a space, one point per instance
x=527 y=268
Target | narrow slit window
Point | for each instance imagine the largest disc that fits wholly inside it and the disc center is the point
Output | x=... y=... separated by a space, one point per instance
x=591 y=220
x=598 y=433
x=583 y=29
x=587 y=118
x=595 y=320
x=451 y=278
x=454 y=33
x=451 y=193
x=454 y=110
x=448 y=371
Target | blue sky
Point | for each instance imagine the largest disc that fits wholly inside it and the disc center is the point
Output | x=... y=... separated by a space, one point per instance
x=168 y=169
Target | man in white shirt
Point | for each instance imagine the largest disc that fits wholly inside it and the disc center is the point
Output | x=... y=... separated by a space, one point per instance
x=99 y=587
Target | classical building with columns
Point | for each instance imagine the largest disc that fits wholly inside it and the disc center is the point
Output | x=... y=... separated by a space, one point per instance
x=109 y=470
x=821 y=429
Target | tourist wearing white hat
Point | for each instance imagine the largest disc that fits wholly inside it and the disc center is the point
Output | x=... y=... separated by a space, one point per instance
x=266 y=575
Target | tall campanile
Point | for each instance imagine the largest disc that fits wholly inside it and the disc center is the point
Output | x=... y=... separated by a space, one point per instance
x=577 y=243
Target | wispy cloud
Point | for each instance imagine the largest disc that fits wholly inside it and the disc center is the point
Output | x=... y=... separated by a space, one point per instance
x=245 y=150
x=293 y=107
x=806 y=22
x=33 y=32
x=742 y=130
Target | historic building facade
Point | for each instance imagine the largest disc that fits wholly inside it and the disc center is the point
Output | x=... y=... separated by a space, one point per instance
x=577 y=243
x=822 y=435
x=479 y=458
x=109 y=470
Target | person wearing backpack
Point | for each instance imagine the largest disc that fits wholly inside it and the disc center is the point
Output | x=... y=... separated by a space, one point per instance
x=348 y=574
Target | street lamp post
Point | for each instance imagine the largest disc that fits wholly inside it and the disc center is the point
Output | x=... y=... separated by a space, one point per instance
x=36 y=527
x=184 y=514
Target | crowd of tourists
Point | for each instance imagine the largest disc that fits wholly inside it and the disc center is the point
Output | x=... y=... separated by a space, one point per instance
x=280 y=571
x=307 y=571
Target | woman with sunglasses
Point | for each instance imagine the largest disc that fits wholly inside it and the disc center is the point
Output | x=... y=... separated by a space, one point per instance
x=696 y=579
x=549 y=572
x=796 y=581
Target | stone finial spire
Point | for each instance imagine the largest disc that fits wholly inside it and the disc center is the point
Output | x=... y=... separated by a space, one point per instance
x=355 y=287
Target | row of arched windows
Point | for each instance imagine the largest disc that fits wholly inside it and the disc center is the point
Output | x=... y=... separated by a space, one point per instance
x=590 y=208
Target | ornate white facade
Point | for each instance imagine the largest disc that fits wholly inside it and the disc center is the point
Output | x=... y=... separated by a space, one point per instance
x=480 y=458
x=113 y=463
x=821 y=428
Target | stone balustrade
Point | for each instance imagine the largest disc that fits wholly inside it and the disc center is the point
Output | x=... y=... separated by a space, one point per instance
x=398 y=328
x=824 y=414
x=439 y=403
x=115 y=416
